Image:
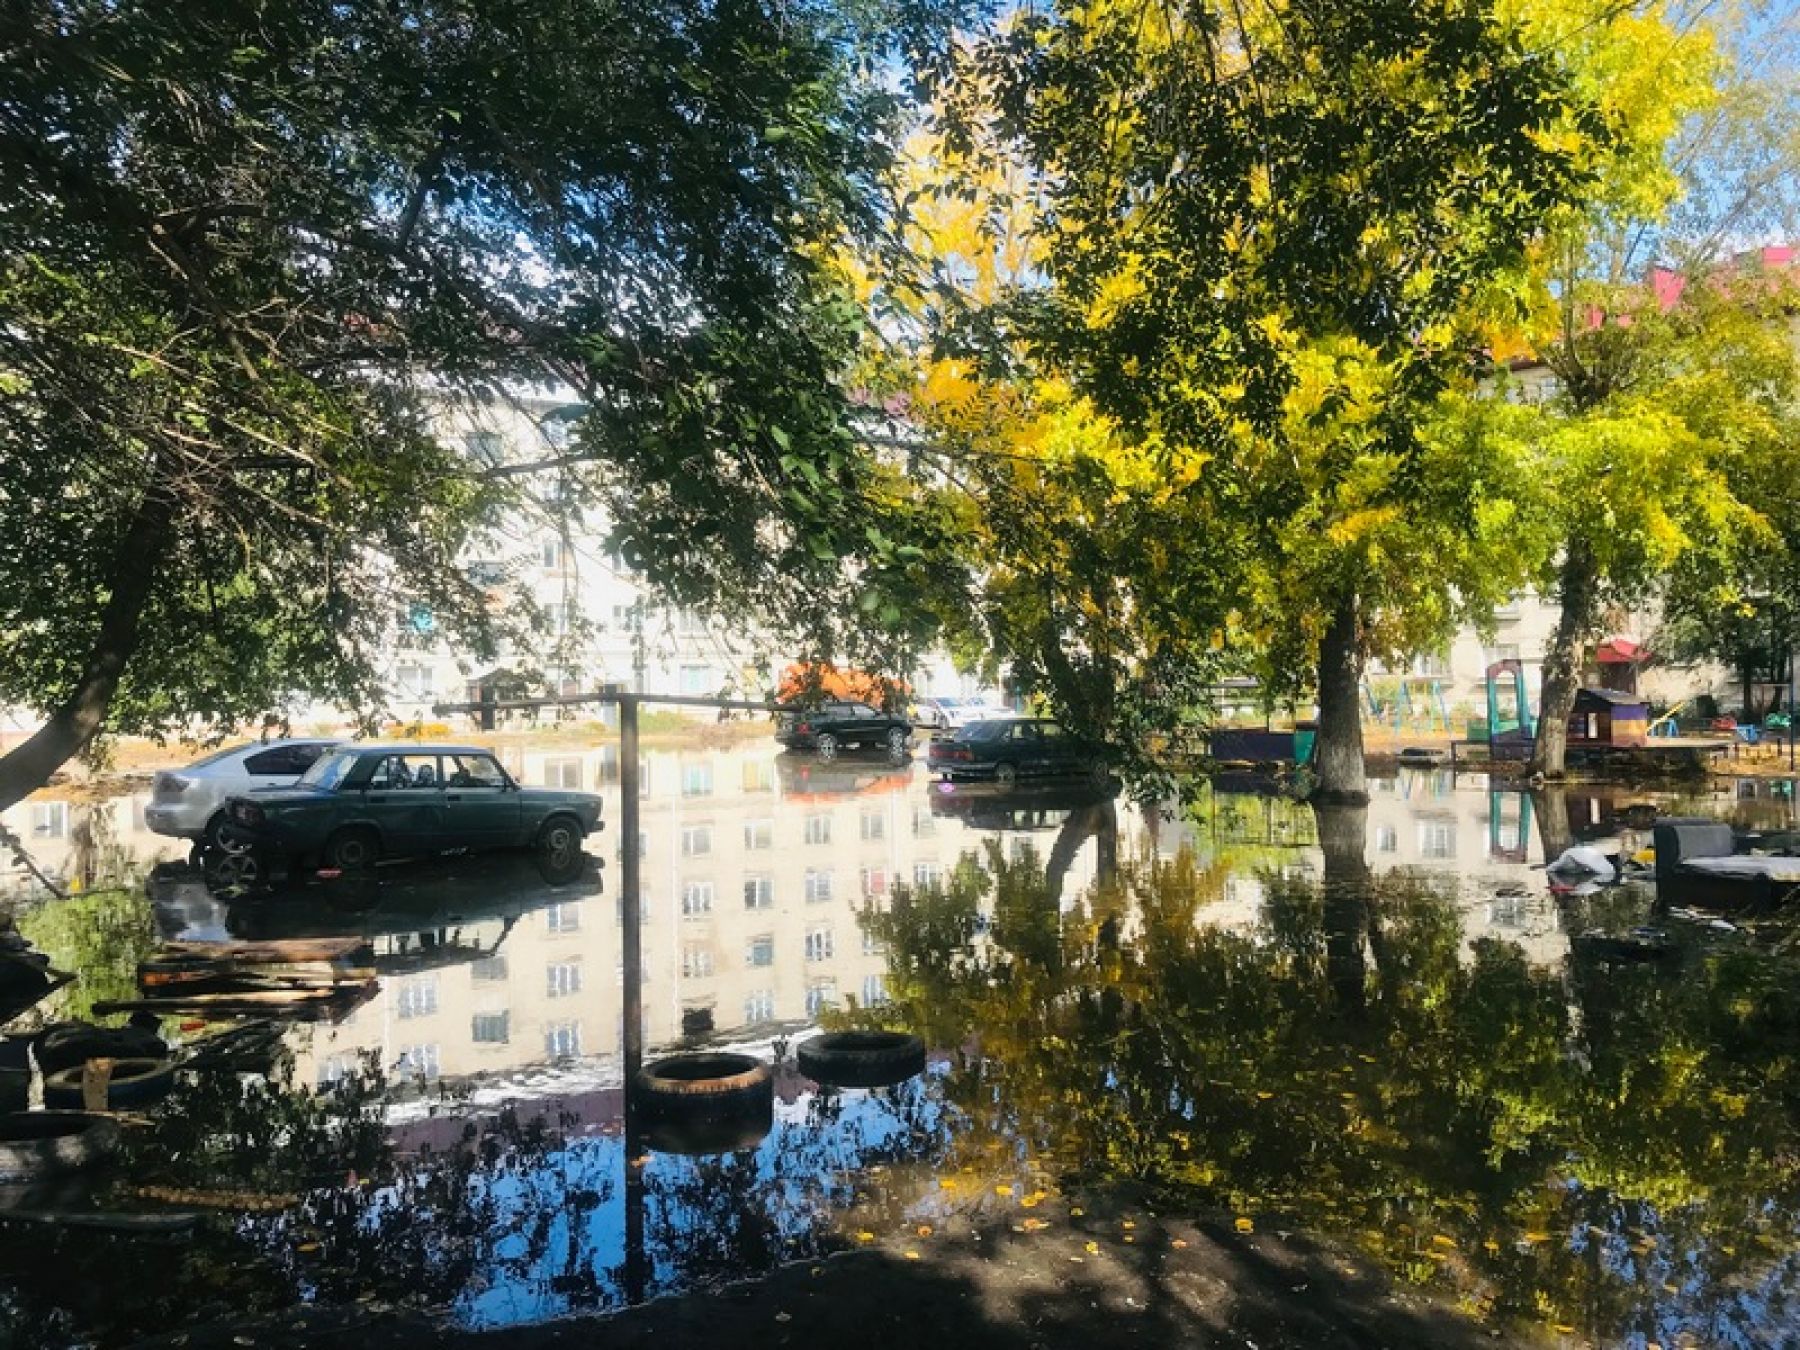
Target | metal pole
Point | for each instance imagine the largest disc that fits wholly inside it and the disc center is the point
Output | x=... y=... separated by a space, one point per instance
x=630 y=896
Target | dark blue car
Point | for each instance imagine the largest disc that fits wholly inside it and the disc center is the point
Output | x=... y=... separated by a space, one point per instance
x=1007 y=749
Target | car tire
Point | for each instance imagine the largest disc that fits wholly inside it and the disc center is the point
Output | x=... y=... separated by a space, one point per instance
x=245 y=871
x=356 y=848
x=1005 y=775
x=559 y=836
x=705 y=1083
x=861 y=1059
x=896 y=739
x=134 y=1082
x=220 y=836
x=826 y=745
x=34 y=1144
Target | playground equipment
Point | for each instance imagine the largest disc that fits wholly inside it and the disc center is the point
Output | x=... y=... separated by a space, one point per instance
x=1510 y=726
x=1418 y=704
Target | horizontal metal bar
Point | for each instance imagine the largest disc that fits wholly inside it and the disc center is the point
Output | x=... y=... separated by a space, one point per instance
x=570 y=700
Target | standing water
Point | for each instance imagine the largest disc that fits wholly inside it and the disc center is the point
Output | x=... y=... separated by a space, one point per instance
x=1379 y=1026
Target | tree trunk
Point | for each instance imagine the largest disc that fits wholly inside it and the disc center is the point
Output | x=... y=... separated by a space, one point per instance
x=1338 y=751
x=1578 y=592
x=75 y=722
x=1343 y=831
x=1551 y=807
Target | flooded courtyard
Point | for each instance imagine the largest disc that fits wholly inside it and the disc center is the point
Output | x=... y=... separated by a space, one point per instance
x=1381 y=1029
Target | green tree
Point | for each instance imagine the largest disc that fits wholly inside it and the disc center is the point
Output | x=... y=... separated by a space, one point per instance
x=1270 y=232
x=242 y=247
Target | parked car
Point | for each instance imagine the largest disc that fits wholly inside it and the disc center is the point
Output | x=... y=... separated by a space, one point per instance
x=359 y=804
x=190 y=803
x=839 y=724
x=1007 y=749
x=947 y=714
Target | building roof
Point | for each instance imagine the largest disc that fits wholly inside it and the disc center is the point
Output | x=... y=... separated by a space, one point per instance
x=1616 y=697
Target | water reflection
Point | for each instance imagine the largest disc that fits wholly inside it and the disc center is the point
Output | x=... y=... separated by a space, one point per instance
x=1363 y=1020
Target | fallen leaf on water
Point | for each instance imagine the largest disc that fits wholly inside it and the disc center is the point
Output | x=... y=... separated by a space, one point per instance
x=818 y=1271
x=865 y=1236
x=1178 y=1243
x=1129 y=1224
x=1033 y=1226
x=1003 y=1190
x=1029 y=1201
x=1246 y=1225
x=1443 y=1241
x=1080 y=1261
x=1130 y=1238
x=1076 y=1211
x=1562 y=1329
x=783 y=1317
x=1536 y=1236
x=307 y=1247
x=1093 y=1247
x=947 y=1183
x=1264 y=1096
x=924 y=1230
x=912 y=1256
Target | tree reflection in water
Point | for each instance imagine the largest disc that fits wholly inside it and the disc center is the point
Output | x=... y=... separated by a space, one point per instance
x=1610 y=1148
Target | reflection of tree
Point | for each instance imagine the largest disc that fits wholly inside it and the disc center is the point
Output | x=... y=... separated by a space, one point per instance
x=1457 y=1123
x=103 y=935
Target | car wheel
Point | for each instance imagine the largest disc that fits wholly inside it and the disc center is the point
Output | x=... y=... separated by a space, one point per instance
x=353 y=849
x=1005 y=775
x=237 y=871
x=559 y=838
x=827 y=745
x=221 y=835
x=896 y=739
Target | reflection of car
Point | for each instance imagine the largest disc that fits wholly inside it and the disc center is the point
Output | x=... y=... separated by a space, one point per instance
x=947 y=714
x=362 y=803
x=189 y=803
x=1009 y=748
x=1043 y=806
x=839 y=724
x=804 y=777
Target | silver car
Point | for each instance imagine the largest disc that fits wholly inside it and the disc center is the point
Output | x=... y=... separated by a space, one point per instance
x=189 y=803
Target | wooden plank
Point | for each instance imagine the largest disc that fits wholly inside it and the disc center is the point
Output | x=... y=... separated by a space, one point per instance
x=275 y=950
x=271 y=998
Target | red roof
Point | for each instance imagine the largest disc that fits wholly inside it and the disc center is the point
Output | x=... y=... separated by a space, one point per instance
x=1622 y=651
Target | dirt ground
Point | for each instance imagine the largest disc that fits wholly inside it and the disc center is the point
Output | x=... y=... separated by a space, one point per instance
x=1095 y=1272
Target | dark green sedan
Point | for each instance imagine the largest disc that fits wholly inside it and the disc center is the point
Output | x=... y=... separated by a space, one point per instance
x=359 y=804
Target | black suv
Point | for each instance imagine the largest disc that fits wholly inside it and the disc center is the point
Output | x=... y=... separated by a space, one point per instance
x=838 y=724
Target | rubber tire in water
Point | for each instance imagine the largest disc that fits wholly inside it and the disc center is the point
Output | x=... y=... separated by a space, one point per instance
x=705 y=1083
x=559 y=837
x=135 y=1082
x=827 y=746
x=705 y=1136
x=861 y=1058
x=1005 y=775
x=360 y=842
x=71 y=1046
x=40 y=1143
x=896 y=740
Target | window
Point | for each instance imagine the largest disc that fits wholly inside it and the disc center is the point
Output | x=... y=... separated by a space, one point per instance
x=488 y=1028
x=609 y=765
x=1437 y=839
x=819 y=997
x=621 y=617
x=1387 y=839
x=759 y=1006
x=50 y=820
x=698 y=680
x=759 y=834
x=562 y=1040
x=696 y=963
x=417 y=1061
x=690 y=623
x=924 y=823
x=411 y=681
x=874 y=882
x=563 y=917
x=696 y=841
x=759 y=893
x=874 y=992
x=416 y=997
x=485 y=448
x=874 y=825
x=563 y=773
x=406 y=773
x=562 y=978
x=760 y=951
x=334 y=1070
x=488 y=968
x=1433 y=663
x=643 y=907
x=473 y=771
x=818 y=828
x=696 y=898
x=697 y=778
x=1500 y=651
x=872 y=945
x=818 y=944
x=565 y=615
x=554 y=555
x=284 y=761
x=759 y=775
x=818 y=886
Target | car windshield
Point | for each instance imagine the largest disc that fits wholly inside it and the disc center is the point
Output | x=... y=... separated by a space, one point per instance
x=218 y=755
x=328 y=770
x=982 y=731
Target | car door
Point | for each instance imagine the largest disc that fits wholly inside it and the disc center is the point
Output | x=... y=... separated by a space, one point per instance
x=482 y=808
x=1060 y=752
x=404 y=799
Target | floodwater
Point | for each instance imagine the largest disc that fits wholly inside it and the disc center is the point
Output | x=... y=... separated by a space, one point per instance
x=1368 y=1024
